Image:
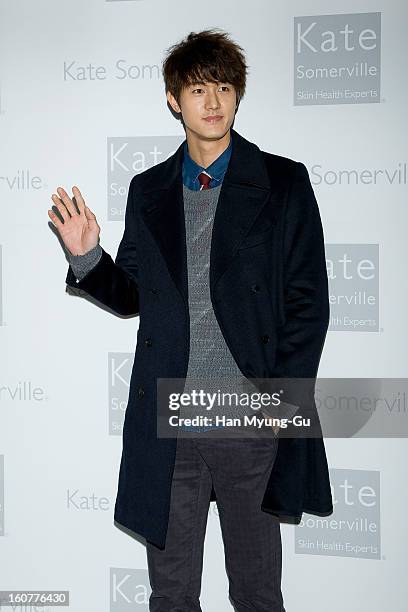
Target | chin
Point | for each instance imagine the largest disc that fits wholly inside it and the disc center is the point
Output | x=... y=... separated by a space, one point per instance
x=213 y=132
x=217 y=130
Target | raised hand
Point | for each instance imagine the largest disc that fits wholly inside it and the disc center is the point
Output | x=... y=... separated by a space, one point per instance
x=79 y=231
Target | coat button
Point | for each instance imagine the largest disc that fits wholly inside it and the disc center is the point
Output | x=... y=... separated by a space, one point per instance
x=265 y=338
x=140 y=392
x=255 y=288
x=148 y=342
x=154 y=291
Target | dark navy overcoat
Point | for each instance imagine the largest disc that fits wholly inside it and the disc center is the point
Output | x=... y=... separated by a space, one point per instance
x=267 y=234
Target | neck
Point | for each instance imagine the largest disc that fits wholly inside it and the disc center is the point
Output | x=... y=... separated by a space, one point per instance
x=204 y=152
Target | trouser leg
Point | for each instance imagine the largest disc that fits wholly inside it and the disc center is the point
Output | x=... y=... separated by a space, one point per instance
x=175 y=571
x=252 y=540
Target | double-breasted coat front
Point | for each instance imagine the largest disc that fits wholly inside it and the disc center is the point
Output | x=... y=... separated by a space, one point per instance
x=267 y=234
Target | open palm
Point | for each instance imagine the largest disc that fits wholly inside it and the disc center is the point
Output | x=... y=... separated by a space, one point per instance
x=79 y=231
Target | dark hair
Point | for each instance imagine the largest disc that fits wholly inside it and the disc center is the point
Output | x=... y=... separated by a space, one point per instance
x=204 y=56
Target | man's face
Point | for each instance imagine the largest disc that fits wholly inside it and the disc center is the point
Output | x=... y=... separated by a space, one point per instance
x=208 y=109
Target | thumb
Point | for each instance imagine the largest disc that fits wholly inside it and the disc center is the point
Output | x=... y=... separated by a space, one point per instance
x=89 y=214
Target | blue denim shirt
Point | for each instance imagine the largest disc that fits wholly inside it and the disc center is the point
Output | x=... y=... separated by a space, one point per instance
x=216 y=170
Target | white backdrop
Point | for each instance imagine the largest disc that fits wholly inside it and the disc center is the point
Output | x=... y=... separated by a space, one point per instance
x=65 y=362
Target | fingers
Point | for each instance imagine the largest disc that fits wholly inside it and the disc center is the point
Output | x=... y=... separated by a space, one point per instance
x=55 y=219
x=67 y=202
x=61 y=208
x=89 y=214
x=79 y=199
x=83 y=208
x=65 y=205
x=275 y=428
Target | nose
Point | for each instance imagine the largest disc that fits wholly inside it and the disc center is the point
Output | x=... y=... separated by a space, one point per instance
x=212 y=100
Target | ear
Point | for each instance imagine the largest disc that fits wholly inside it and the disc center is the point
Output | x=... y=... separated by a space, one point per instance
x=173 y=102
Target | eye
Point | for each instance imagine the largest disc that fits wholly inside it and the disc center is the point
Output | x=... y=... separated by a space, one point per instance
x=200 y=89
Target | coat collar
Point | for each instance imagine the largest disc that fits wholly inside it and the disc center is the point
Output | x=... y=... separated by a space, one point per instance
x=244 y=192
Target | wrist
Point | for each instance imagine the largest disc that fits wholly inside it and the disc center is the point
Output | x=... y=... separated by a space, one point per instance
x=89 y=252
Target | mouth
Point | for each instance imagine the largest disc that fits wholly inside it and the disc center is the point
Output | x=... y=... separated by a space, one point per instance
x=212 y=118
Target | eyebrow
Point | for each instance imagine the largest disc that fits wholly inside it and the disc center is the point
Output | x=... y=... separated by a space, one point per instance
x=204 y=82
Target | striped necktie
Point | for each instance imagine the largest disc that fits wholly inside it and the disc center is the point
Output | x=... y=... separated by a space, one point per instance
x=204 y=180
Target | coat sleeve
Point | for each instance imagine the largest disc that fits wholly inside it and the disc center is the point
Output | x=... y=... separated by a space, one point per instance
x=115 y=283
x=305 y=286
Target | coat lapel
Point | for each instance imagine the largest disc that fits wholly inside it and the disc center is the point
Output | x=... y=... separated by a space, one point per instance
x=244 y=191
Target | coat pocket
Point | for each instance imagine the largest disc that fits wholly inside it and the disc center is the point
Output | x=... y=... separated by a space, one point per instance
x=258 y=238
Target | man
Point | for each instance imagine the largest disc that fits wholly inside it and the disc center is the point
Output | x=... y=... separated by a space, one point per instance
x=222 y=257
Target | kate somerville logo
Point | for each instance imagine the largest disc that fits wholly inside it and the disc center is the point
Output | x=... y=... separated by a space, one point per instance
x=22 y=391
x=130 y=156
x=129 y=590
x=393 y=174
x=353 y=276
x=119 y=369
x=354 y=528
x=122 y=69
x=77 y=500
x=337 y=59
x=22 y=180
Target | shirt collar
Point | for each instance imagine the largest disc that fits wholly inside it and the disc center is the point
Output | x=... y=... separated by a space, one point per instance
x=216 y=170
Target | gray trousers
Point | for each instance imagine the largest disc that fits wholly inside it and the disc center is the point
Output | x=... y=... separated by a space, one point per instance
x=239 y=470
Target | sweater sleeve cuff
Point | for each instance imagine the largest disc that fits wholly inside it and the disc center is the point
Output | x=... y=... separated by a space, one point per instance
x=82 y=264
